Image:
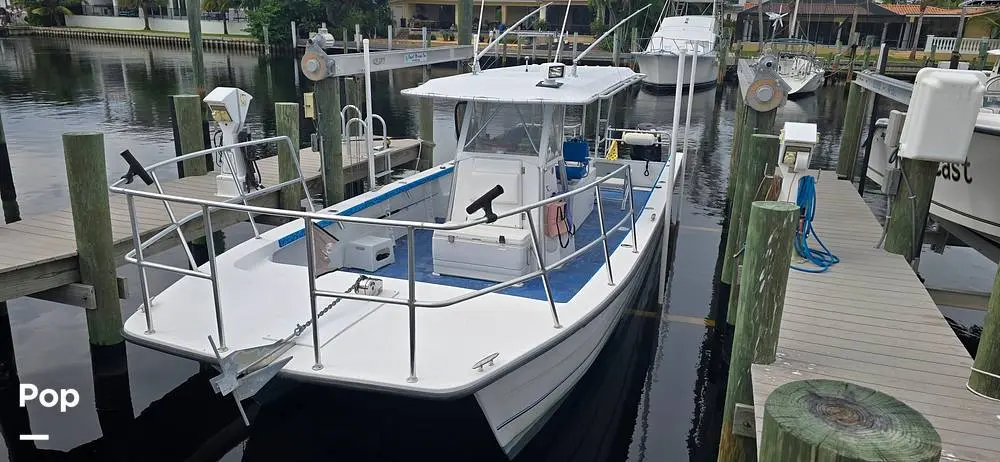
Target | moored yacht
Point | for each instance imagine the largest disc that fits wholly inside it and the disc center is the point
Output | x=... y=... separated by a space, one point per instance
x=692 y=36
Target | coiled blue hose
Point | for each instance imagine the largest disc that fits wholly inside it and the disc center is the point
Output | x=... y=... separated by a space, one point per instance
x=822 y=258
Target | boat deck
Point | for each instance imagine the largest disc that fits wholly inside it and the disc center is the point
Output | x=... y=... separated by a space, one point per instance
x=39 y=253
x=869 y=320
x=565 y=281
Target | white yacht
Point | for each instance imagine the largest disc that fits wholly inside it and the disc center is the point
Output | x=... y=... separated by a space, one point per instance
x=687 y=35
x=498 y=275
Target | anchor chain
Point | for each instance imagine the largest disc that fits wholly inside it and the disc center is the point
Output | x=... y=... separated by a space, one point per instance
x=300 y=328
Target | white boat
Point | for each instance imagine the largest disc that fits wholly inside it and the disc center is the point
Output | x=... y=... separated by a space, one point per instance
x=498 y=275
x=964 y=194
x=797 y=65
x=687 y=35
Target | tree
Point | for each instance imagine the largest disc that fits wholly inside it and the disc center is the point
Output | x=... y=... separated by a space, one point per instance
x=46 y=12
x=220 y=6
x=144 y=5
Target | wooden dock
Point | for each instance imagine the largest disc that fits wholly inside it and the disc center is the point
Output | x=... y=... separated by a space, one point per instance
x=870 y=321
x=39 y=253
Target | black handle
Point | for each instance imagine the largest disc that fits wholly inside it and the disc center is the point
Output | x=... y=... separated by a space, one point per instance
x=485 y=202
x=134 y=168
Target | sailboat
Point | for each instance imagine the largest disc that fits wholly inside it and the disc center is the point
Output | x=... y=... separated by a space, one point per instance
x=797 y=65
x=497 y=276
x=692 y=35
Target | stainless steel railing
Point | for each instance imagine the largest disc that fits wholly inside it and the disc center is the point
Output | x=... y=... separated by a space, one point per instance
x=411 y=301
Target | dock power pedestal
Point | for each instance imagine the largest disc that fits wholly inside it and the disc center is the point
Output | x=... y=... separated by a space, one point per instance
x=794 y=154
x=229 y=108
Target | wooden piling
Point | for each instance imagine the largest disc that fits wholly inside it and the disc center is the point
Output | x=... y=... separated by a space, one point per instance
x=326 y=99
x=755 y=168
x=909 y=207
x=734 y=155
x=197 y=50
x=8 y=195
x=463 y=15
x=88 y=197
x=286 y=117
x=746 y=180
x=985 y=370
x=723 y=58
x=811 y=420
x=427 y=123
x=765 y=269
x=850 y=143
x=187 y=125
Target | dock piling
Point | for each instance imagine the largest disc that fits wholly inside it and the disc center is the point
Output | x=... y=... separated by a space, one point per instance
x=765 y=270
x=850 y=144
x=426 y=134
x=809 y=420
x=754 y=122
x=188 y=130
x=8 y=195
x=984 y=378
x=326 y=96
x=756 y=167
x=88 y=197
x=909 y=207
x=286 y=116
x=734 y=155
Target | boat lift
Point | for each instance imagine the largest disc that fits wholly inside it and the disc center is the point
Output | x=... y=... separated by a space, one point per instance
x=317 y=65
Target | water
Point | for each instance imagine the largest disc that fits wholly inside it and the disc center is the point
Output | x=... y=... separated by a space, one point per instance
x=655 y=392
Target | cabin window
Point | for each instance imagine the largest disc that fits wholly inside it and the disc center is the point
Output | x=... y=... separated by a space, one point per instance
x=496 y=128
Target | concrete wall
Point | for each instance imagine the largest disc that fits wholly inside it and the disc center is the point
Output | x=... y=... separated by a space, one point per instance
x=155 y=24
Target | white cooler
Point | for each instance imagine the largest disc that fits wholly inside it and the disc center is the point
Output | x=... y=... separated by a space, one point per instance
x=500 y=253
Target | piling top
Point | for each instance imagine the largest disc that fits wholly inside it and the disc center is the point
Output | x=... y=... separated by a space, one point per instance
x=850 y=421
x=774 y=206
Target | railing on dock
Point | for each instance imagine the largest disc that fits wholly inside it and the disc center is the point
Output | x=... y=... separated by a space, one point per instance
x=240 y=204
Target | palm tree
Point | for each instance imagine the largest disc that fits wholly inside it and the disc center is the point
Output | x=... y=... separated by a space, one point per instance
x=144 y=5
x=220 y=6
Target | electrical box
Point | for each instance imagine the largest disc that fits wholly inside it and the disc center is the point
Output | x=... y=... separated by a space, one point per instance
x=307 y=105
x=369 y=253
x=942 y=115
x=797 y=142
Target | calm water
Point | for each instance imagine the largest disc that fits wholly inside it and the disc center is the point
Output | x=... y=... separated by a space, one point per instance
x=655 y=393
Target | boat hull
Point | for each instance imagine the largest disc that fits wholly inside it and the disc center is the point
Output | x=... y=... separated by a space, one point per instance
x=519 y=403
x=801 y=85
x=963 y=194
x=661 y=70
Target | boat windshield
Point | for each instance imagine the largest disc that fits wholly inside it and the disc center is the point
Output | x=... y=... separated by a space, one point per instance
x=497 y=128
x=991 y=100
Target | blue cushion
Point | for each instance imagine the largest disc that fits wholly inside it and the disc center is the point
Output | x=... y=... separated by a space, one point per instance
x=575 y=150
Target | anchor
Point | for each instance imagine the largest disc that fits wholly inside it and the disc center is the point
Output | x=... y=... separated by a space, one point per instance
x=245 y=372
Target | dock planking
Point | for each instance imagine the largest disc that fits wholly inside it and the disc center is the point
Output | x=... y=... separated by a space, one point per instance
x=869 y=320
x=39 y=253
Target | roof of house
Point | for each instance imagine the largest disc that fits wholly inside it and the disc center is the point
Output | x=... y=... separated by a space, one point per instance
x=819 y=8
x=914 y=10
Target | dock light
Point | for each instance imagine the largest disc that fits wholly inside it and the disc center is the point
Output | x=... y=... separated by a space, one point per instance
x=229 y=107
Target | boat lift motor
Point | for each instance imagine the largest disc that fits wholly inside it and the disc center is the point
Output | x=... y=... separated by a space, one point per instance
x=229 y=108
x=794 y=153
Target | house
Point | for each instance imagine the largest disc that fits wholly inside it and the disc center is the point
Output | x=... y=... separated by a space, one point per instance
x=821 y=21
x=943 y=22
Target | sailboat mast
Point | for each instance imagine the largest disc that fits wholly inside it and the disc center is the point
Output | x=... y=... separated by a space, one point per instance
x=791 y=27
